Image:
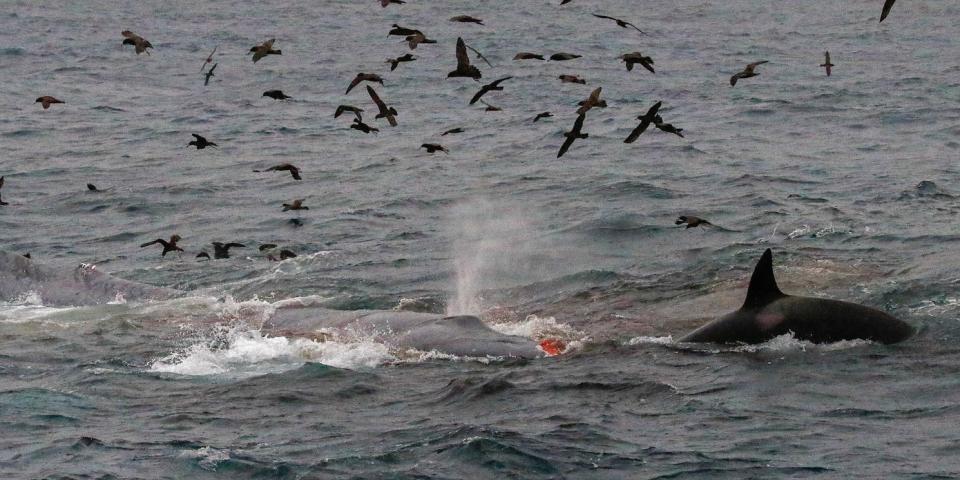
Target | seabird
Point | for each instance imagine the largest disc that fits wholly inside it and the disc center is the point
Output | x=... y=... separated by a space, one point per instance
x=464 y=69
x=747 y=72
x=203 y=255
x=363 y=127
x=264 y=49
x=396 y=61
x=1 y=196
x=572 y=79
x=385 y=112
x=495 y=85
x=667 y=127
x=434 y=147
x=284 y=167
x=490 y=108
x=691 y=221
x=417 y=39
x=621 y=23
x=295 y=205
x=364 y=77
x=826 y=63
x=527 y=56
x=209 y=59
x=403 y=31
x=140 y=45
x=348 y=108
x=573 y=134
x=47 y=100
x=222 y=250
x=384 y=3
x=887 y=5
x=645 y=121
x=542 y=115
x=284 y=254
x=168 y=246
x=592 y=101
x=91 y=187
x=466 y=19
x=276 y=95
x=452 y=130
x=637 y=57
x=201 y=142
x=209 y=74
x=559 y=57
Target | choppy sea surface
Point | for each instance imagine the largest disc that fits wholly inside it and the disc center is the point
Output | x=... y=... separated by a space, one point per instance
x=851 y=179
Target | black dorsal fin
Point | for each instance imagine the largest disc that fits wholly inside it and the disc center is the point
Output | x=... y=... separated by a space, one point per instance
x=763 y=286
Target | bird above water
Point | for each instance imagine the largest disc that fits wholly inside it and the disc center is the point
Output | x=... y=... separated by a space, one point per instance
x=621 y=23
x=384 y=3
x=560 y=57
x=348 y=108
x=542 y=115
x=403 y=31
x=201 y=142
x=452 y=130
x=490 y=108
x=222 y=250
x=464 y=69
x=168 y=245
x=645 y=121
x=295 y=205
x=385 y=112
x=47 y=100
x=434 y=147
x=209 y=74
x=92 y=188
x=691 y=221
x=363 y=127
x=394 y=62
x=1 y=196
x=283 y=167
x=276 y=95
x=417 y=39
x=592 y=101
x=572 y=79
x=667 y=127
x=140 y=45
x=528 y=56
x=826 y=63
x=264 y=49
x=466 y=19
x=364 y=77
x=637 y=57
x=209 y=59
x=573 y=134
x=747 y=72
x=492 y=86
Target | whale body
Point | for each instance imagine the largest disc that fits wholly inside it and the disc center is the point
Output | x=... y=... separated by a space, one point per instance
x=767 y=312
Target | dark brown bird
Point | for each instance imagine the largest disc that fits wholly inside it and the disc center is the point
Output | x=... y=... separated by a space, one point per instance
x=364 y=77
x=222 y=250
x=560 y=57
x=620 y=23
x=645 y=121
x=264 y=49
x=691 y=221
x=1 y=196
x=887 y=5
x=295 y=205
x=573 y=134
x=637 y=57
x=492 y=86
x=385 y=112
x=209 y=59
x=466 y=19
x=396 y=61
x=276 y=95
x=416 y=39
x=92 y=188
x=348 y=108
x=168 y=246
x=572 y=79
x=667 y=127
x=747 y=72
x=592 y=101
x=542 y=115
x=527 y=56
x=826 y=63
x=564 y=2
x=203 y=255
x=140 y=45
x=384 y=3
x=47 y=100
x=284 y=254
x=464 y=69
x=490 y=108
x=363 y=127
x=206 y=79
x=452 y=130
x=403 y=31
x=201 y=142
x=284 y=167
x=434 y=147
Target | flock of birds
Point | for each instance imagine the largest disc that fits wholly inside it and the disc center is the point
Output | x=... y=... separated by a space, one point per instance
x=464 y=69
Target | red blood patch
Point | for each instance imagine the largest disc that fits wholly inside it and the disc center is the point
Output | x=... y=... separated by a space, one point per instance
x=552 y=346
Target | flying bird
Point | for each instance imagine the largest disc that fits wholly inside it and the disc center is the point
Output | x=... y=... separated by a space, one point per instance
x=466 y=19
x=452 y=130
x=747 y=72
x=348 y=108
x=284 y=254
x=47 y=100
x=364 y=77
x=691 y=221
x=168 y=245
x=826 y=63
x=667 y=127
x=283 y=167
x=92 y=188
x=209 y=59
x=363 y=127
x=542 y=115
x=402 y=31
x=620 y=23
x=264 y=49
x=222 y=250
x=592 y=101
x=573 y=134
x=645 y=121
x=209 y=74
x=140 y=45
x=384 y=3
x=295 y=205
x=1 y=196
x=572 y=79
x=490 y=108
x=201 y=142
x=492 y=86
x=385 y=112
x=276 y=95
x=434 y=147
x=527 y=56
x=394 y=62
x=637 y=57
x=464 y=69
x=560 y=57
x=887 y=5
x=417 y=39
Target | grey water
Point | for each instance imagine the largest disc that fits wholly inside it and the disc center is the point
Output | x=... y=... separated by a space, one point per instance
x=851 y=179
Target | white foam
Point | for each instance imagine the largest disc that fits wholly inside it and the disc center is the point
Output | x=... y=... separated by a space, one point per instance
x=651 y=340
x=537 y=328
x=789 y=343
x=209 y=457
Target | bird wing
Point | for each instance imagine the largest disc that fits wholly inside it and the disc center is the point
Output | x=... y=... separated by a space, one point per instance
x=887 y=5
x=463 y=61
x=604 y=16
x=480 y=55
x=648 y=65
x=592 y=100
x=339 y=111
x=753 y=65
x=733 y=79
x=214 y=67
x=198 y=137
x=376 y=99
x=160 y=241
x=1 y=182
x=294 y=172
x=479 y=94
x=496 y=83
x=356 y=81
x=578 y=124
x=652 y=113
x=634 y=27
x=637 y=131
x=566 y=145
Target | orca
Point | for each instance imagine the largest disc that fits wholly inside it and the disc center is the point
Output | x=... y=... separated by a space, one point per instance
x=767 y=313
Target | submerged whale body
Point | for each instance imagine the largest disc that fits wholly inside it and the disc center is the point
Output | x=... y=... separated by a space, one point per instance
x=767 y=312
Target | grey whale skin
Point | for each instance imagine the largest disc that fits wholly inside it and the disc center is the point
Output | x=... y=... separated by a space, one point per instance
x=463 y=335
x=767 y=312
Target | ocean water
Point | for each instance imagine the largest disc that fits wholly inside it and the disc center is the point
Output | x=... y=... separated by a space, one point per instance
x=850 y=179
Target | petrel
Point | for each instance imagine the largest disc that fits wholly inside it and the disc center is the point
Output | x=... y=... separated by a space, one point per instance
x=620 y=23
x=47 y=100
x=747 y=72
x=363 y=127
x=402 y=31
x=201 y=142
x=542 y=115
x=168 y=245
x=385 y=112
x=283 y=167
x=637 y=57
x=417 y=39
x=276 y=94
x=264 y=49
x=209 y=59
x=295 y=205
x=466 y=19
x=645 y=121
x=527 y=56
x=559 y=57
x=394 y=62
x=667 y=127
x=364 y=77
x=209 y=74
x=573 y=134
x=495 y=85
x=826 y=63
x=348 y=108
x=452 y=130
x=592 y=101
x=572 y=79
x=464 y=69
x=691 y=221
x=140 y=45
x=434 y=147
x=222 y=250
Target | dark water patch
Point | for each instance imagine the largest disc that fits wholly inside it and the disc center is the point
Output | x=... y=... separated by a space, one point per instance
x=472 y=389
x=753 y=180
x=642 y=189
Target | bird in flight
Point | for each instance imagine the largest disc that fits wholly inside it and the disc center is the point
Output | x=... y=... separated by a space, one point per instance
x=364 y=77
x=495 y=85
x=887 y=5
x=645 y=121
x=283 y=167
x=826 y=63
x=209 y=74
x=637 y=57
x=573 y=134
x=464 y=69
x=747 y=72
x=389 y=113
x=201 y=142
x=168 y=245
x=264 y=49
x=47 y=100
x=621 y=23
x=209 y=59
x=140 y=45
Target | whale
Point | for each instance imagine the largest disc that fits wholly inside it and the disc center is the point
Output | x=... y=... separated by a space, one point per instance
x=85 y=285
x=767 y=313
